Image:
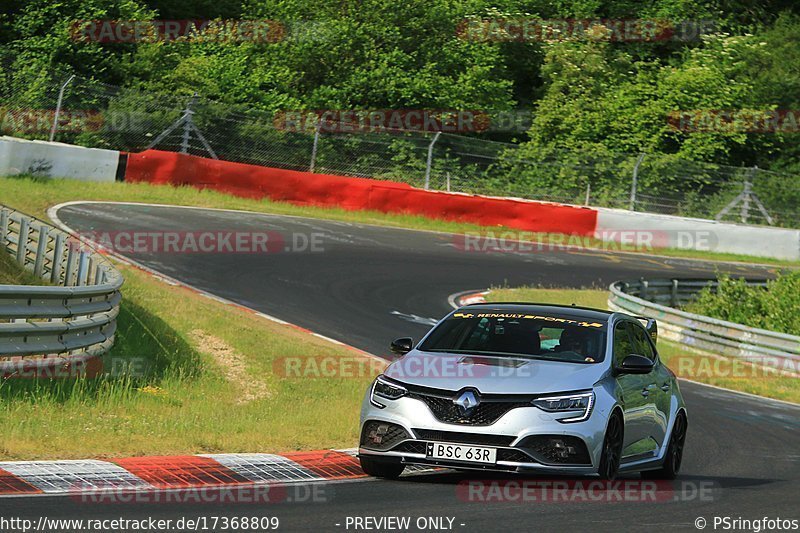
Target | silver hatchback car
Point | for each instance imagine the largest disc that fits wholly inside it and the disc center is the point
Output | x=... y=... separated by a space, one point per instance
x=527 y=388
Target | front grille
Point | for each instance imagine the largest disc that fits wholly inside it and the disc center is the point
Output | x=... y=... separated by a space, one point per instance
x=557 y=449
x=514 y=456
x=460 y=466
x=464 y=438
x=412 y=446
x=485 y=414
x=382 y=435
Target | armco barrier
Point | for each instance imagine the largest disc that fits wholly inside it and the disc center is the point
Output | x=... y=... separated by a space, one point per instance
x=252 y=181
x=57 y=160
x=61 y=328
x=651 y=298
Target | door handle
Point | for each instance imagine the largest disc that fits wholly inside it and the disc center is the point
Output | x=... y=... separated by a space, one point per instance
x=645 y=393
x=665 y=387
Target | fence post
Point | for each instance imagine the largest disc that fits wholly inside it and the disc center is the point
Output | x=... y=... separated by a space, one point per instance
x=430 y=160
x=41 y=252
x=746 y=196
x=3 y=230
x=635 y=182
x=22 y=241
x=674 y=294
x=58 y=258
x=70 y=270
x=83 y=269
x=314 y=147
x=58 y=107
x=588 y=193
x=187 y=125
x=745 y=209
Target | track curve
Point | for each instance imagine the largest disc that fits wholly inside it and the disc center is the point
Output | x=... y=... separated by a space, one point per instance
x=371 y=284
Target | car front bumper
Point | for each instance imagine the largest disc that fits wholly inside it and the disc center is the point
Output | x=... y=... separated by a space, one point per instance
x=523 y=438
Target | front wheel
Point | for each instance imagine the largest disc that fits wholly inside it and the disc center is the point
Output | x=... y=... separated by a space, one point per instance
x=672 y=461
x=381 y=468
x=612 y=448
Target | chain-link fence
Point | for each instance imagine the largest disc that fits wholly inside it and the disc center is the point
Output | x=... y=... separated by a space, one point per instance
x=89 y=113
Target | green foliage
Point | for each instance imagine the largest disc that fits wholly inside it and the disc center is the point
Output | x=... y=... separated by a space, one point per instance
x=775 y=308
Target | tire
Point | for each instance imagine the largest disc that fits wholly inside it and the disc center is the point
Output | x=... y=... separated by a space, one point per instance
x=674 y=457
x=381 y=468
x=612 y=448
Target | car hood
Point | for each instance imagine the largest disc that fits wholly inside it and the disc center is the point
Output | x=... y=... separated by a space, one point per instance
x=493 y=375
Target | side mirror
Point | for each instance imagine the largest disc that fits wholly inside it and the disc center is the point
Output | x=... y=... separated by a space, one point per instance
x=402 y=346
x=636 y=364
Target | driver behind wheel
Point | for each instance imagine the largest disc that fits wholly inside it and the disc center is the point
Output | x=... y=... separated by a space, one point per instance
x=574 y=340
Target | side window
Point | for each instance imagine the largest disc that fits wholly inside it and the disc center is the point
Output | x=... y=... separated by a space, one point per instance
x=623 y=346
x=641 y=342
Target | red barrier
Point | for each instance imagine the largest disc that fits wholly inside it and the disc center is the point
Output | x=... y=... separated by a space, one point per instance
x=252 y=181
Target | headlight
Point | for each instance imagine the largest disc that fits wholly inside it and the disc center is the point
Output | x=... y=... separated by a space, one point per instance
x=581 y=401
x=383 y=388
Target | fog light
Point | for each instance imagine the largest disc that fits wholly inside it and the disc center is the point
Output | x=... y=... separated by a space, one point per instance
x=376 y=435
x=561 y=449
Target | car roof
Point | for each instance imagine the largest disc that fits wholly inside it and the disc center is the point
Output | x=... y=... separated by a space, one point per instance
x=587 y=313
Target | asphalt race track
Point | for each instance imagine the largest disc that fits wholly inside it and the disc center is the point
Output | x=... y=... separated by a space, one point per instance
x=368 y=285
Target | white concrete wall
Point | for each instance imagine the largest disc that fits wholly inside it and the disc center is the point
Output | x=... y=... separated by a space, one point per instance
x=697 y=234
x=57 y=160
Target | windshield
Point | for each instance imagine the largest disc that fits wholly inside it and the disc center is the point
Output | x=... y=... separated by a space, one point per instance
x=558 y=338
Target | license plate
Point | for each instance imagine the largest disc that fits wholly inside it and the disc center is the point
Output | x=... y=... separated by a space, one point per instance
x=461 y=452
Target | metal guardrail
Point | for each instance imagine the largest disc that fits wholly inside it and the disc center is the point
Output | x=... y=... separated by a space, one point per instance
x=658 y=298
x=63 y=324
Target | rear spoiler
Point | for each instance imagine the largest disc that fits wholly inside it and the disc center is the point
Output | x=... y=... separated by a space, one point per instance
x=651 y=327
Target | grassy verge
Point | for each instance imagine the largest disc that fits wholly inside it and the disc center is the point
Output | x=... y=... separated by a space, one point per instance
x=723 y=372
x=187 y=375
x=36 y=195
x=12 y=274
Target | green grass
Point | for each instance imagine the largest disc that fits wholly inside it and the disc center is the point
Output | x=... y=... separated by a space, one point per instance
x=12 y=274
x=35 y=195
x=185 y=401
x=719 y=371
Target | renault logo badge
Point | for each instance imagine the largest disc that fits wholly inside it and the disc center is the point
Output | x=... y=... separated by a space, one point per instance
x=467 y=402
